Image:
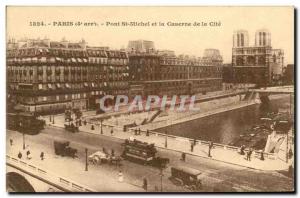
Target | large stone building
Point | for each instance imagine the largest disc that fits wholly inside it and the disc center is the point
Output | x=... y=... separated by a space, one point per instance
x=258 y=64
x=48 y=76
x=164 y=73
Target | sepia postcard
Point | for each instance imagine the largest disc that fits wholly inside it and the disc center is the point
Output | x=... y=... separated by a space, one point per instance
x=150 y=99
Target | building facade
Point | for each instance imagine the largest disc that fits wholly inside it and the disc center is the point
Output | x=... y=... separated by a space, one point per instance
x=161 y=73
x=258 y=64
x=47 y=77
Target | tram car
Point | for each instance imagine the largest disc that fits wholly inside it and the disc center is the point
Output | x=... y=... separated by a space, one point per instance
x=25 y=122
x=143 y=152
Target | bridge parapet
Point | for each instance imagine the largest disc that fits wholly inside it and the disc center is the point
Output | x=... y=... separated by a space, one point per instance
x=39 y=173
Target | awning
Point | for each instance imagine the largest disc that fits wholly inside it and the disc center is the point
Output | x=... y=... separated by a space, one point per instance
x=79 y=60
x=73 y=60
x=49 y=86
x=110 y=67
x=93 y=85
x=58 y=85
x=105 y=84
x=40 y=50
x=67 y=85
x=28 y=59
x=40 y=86
x=58 y=59
x=127 y=67
x=85 y=84
x=85 y=60
x=34 y=58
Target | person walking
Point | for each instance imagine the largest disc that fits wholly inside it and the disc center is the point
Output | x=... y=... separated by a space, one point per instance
x=192 y=147
x=42 y=155
x=183 y=157
x=120 y=176
x=147 y=132
x=104 y=150
x=28 y=155
x=11 y=142
x=145 y=184
x=242 y=150
x=262 y=157
x=249 y=154
x=111 y=131
x=112 y=152
x=20 y=155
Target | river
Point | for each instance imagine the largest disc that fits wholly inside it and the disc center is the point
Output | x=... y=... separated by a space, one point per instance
x=225 y=127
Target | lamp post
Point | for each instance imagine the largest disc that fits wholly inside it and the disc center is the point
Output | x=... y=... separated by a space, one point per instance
x=23 y=134
x=101 y=121
x=53 y=120
x=161 y=179
x=166 y=139
x=23 y=140
x=86 y=159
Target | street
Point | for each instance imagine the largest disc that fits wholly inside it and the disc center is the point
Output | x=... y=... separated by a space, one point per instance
x=214 y=173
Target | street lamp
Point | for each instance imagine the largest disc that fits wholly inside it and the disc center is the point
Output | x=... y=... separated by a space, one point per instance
x=86 y=159
x=101 y=121
x=23 y=140
x=23 y=134
x=166 y=139
x=161 y=179
x=53 y=119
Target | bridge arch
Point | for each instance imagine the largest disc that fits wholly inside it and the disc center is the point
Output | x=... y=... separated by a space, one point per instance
x=17 y=183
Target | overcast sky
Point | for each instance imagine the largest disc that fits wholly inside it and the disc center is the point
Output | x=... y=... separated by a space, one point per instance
x=187 y=40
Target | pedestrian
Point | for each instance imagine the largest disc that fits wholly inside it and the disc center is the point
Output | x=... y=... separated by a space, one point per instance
x=92 y=127
x=112 y=131
x=183 y=157
x=262 y=157
x=195 y=141
x=120 y=176
x=135 y=132
x=112 y=152
x=104 y=150
x=20 y=155
x=192 y=147
x=145 y=184
x=139 y=131
x=147 y=132
x=249 y=154
x=42 y=155
x=11 y=142
x=28 y=155
x=84 y=122
x=242 y=150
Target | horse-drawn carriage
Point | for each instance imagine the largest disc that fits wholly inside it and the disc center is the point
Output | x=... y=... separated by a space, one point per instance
x=100 y=157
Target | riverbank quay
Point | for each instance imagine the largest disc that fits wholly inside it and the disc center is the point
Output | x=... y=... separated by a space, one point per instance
x=219 y=152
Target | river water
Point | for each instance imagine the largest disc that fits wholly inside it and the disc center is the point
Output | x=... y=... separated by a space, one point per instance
x=225 y=127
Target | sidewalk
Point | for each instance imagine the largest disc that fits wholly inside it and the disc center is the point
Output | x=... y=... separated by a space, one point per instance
x=180 y=144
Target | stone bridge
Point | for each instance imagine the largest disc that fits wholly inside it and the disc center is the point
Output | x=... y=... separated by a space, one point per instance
x=24 y=177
